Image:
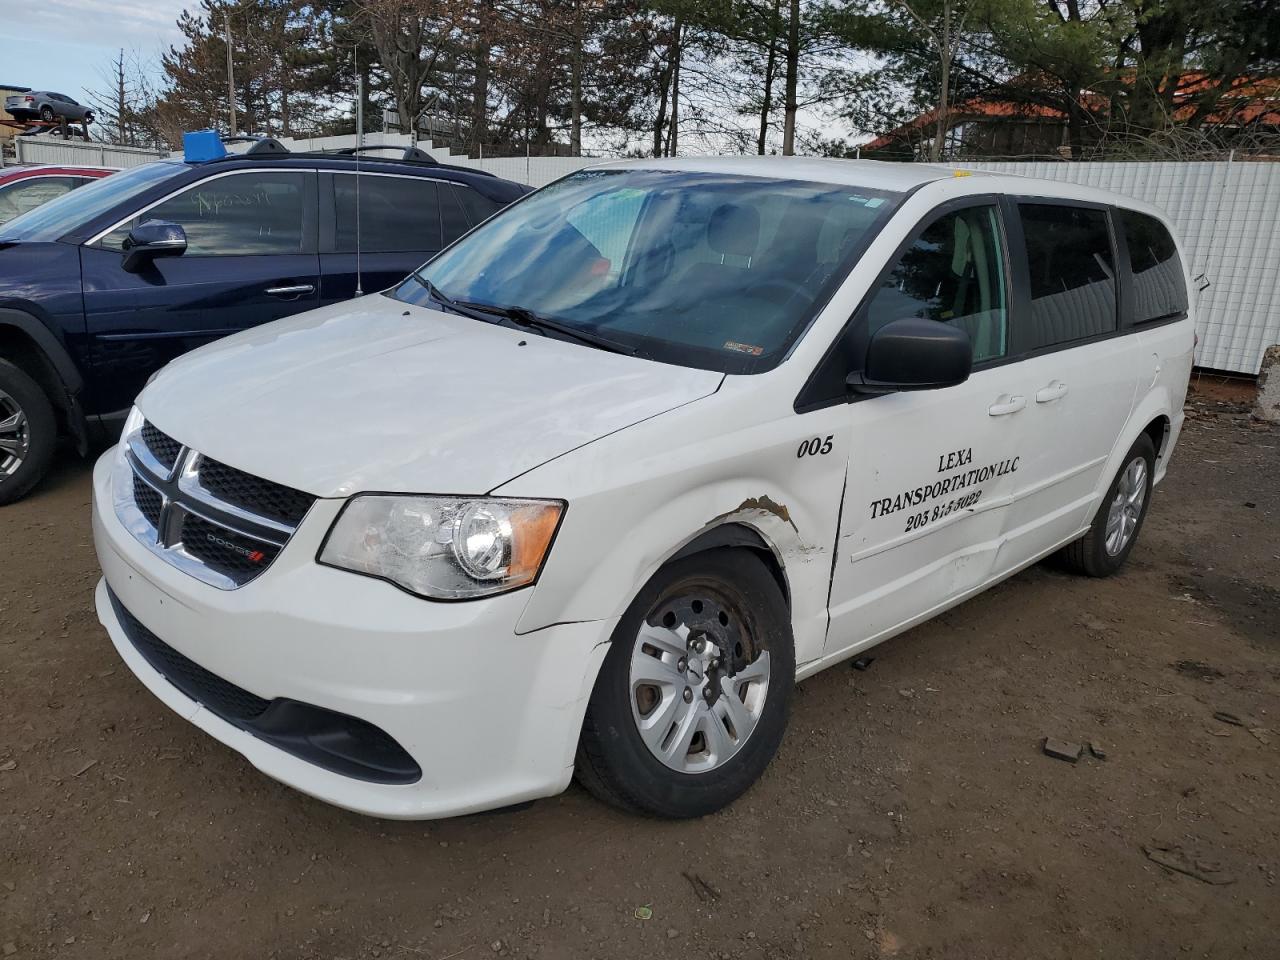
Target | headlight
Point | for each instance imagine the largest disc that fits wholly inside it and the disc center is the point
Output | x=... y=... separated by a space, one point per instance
x=444 y=548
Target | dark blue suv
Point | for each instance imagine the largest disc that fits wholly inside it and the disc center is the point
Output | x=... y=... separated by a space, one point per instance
x=103 y=286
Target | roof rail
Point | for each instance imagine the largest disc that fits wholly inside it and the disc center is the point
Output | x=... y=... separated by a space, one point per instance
x=414 y=154
x=261 y=145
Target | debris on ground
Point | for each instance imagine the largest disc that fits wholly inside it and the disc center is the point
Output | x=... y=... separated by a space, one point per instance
x=86 y=768
x=644 y=913
x=8 y=765
x=1061 y=749
x=704 y=890
x=863 y=663
x=1260 y=734
x=1096 y=751
x=1176 y=859
x=1230 y=718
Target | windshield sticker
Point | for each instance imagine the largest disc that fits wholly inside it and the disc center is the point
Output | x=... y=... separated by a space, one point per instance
x=748 y=348
x=965 y=477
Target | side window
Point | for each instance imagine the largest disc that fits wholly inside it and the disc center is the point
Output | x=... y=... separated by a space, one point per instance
x=453 y=219
x=478 y=206
x=1071 y=271
x=397 y=214
x=1158 y=285
x=953 y=273
x=254 y=213
x=24 y=195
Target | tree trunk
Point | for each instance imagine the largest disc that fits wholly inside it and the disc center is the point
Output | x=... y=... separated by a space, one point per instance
x=480 y=82
x=792 y=82
x=944 y=86
x=673 y=137
x=122 y=101
x=575 y=86
x=664 y=89
x=770 y=67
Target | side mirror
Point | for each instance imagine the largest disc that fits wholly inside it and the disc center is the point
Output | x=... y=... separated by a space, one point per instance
x=914 y=354
x=151 y=239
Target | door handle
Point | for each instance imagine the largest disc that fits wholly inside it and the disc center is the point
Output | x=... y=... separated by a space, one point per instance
x=1006 y=404
x=1056 y=390
x=296 y=290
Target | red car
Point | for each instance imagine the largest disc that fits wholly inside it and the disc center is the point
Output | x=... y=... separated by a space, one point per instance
x=24 y=188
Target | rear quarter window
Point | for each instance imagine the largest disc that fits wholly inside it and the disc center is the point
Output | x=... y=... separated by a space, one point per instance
x=1159 y=287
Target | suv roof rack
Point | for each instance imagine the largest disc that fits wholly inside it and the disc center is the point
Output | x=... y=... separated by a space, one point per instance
x=262 y=146
x=414 y=154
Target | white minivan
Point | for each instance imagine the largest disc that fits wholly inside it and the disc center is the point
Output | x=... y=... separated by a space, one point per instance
x=596 y=485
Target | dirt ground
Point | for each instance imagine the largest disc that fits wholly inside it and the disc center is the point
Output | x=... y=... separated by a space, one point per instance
x=910 y=813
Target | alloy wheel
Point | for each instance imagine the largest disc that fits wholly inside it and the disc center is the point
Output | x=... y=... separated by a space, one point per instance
x=1126 y=506
x=15 y=435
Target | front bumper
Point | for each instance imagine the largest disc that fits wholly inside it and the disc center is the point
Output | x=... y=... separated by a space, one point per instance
x=490 y=717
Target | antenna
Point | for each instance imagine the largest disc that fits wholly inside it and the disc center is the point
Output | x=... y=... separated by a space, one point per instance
x=359 y=143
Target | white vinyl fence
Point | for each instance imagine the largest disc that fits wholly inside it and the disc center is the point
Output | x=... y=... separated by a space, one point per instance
x=1228 y=218
x=77 y=153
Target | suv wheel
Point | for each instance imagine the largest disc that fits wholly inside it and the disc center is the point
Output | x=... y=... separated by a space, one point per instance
x=28 y=431
x=692 y=698
x=1115 y=528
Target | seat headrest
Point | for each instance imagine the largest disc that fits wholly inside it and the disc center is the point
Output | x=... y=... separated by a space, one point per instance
x=733 y=230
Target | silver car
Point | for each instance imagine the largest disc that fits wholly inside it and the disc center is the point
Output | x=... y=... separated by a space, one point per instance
x=46 y=105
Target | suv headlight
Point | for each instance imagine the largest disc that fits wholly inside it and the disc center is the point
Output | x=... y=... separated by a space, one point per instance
x=444 y=548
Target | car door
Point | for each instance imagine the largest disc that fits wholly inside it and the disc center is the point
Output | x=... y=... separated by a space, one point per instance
x=250 y=258
x=377 y=228
x=931 y=473
x=1079 y=374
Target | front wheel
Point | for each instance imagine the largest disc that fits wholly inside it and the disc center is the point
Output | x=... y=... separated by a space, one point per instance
x=1110 y=539
x=46 y=114
x=28 y=433
x=692 y=698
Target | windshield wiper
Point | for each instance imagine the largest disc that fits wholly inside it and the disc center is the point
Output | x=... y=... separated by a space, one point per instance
x=463 y=309
x=525 y=317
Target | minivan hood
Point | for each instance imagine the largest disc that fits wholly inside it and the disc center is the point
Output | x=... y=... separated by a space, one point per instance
x=375 y=394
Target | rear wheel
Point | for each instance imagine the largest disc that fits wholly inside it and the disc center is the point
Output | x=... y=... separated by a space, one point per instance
x=1114 y=531
x=28 y=433
x=691 y=702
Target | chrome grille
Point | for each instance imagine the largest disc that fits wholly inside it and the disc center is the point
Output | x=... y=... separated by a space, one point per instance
x=219 y=524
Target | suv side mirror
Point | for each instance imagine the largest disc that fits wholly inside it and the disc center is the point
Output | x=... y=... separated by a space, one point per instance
x=151 y=239
x=914 y=354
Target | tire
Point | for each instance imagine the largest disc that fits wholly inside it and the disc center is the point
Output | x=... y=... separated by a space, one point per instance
x=28 y=433
x=742 y=611
x=88 y=117
x=1098 y=553
x=46 y=114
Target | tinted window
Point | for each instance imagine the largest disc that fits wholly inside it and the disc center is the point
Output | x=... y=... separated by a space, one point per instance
x=1158 y=286
x=1072 y=272
x=397 y=214
x=258 y=212
x=453 y=219
x=700 y=269
x=953 y=273
x=478 y=207
x=23 y=195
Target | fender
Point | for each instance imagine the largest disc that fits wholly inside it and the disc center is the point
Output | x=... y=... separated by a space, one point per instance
x=48 y=343
x=1155 y=404
x=742 y=511
x=61 y=378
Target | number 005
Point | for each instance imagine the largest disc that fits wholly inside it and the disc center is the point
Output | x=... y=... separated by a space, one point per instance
x=811 y=448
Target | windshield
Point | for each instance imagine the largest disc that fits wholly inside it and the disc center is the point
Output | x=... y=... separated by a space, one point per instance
x=69 y=211
x=704 y=270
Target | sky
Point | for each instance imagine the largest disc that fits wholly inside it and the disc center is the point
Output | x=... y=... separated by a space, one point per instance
x=67 y=45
